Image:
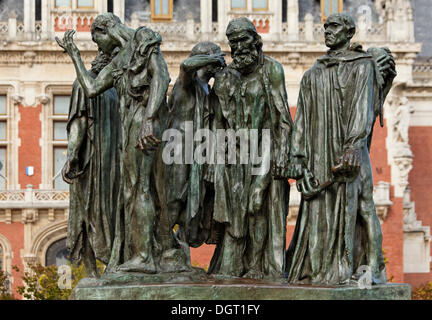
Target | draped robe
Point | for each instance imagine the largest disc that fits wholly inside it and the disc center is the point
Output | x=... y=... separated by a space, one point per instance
x=337 y=106
x=93 y=195
x=239 y=249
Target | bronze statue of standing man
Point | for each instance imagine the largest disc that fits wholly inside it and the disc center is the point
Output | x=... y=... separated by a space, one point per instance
x=252 y=207
x=337 y=228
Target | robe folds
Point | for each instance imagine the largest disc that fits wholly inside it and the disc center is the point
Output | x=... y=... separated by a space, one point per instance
x=338 y=230
x=135 y=235
x=190 y=187
x=93 y=195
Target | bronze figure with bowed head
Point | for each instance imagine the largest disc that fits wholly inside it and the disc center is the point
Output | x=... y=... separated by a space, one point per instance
x=187 y=186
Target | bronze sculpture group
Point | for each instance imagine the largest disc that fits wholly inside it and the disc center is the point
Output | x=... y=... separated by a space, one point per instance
x=139 y=213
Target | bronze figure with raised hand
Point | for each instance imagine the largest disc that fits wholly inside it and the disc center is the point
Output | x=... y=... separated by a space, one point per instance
x=186 y=186
x=337 y=229
x=139 y=74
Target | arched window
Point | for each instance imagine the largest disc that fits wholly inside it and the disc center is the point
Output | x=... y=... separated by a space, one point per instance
x=57 y=253
x=330 y=6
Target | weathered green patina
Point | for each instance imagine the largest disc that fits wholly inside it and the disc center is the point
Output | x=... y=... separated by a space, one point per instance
x=92 y=169
x=139 y=74
x=252 y=208
x=337 y=229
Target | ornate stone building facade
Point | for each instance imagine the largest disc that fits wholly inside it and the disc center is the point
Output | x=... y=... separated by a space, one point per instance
x=36 y=79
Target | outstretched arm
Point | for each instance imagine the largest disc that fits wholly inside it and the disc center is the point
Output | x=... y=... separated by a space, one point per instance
x=92 y=87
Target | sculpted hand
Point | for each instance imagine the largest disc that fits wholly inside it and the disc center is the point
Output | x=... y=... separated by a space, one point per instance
x=68 y=44
x=70 y=170
x=146 y=140
x=387 y=66
x=220 y=58
x=279 y=172
x=295 y=171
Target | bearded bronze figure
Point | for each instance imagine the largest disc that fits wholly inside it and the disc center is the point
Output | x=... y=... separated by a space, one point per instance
x=252 y=207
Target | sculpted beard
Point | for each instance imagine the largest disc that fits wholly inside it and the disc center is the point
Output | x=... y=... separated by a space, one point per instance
x=245 y=58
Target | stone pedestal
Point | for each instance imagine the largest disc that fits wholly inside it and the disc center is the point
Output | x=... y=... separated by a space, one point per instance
x=192 y=287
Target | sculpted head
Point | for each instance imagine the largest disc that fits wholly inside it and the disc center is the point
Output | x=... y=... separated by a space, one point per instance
x=339 y=30
x=207 y=48
x=144 y=40
x=245 y=42
x=108 y=32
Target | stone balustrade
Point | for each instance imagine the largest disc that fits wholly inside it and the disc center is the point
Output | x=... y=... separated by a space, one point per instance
x=33 y=198
x=422 y=71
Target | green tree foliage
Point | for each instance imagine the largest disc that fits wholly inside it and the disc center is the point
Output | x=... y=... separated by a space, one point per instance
x=423 y=293
x=4 y=287
x=42 y=283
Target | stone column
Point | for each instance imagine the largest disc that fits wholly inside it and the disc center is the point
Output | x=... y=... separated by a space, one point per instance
x=223 y=8
x=276 y=21
x=101 y=6
x=47 y=26
x=190 y=26
x=361 y=28
x=309 y=27
x=119 y=9
x=293 y=20
x=12 y=25
x=29 y=18
x=206 y=17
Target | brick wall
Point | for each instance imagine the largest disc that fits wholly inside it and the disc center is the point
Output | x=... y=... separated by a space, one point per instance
x=29 y=153
x=14 y=232
x=420 y=182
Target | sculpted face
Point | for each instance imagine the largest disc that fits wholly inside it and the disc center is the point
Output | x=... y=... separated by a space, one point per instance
x=243 y=50
x=103 y=40
x=336 y=34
